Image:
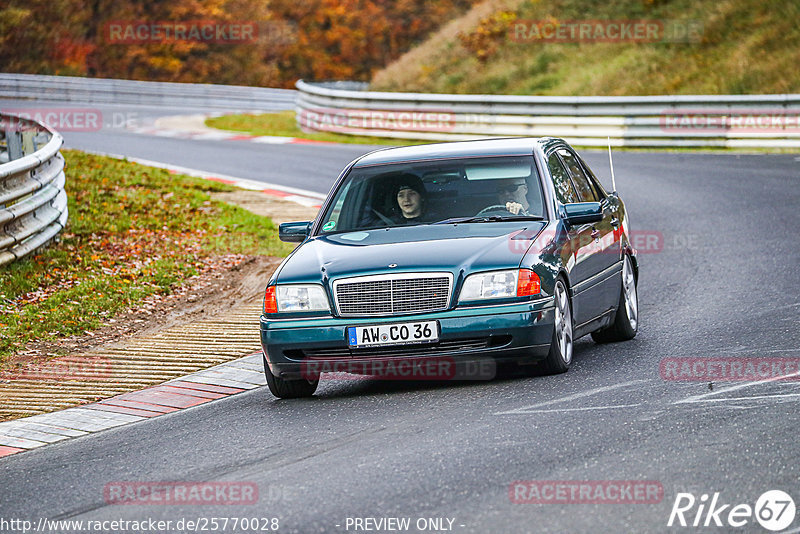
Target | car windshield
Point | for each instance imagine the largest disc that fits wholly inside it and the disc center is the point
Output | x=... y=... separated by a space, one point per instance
x=429 y=192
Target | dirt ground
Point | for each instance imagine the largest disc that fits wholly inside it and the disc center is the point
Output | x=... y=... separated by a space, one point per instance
x=235 y=280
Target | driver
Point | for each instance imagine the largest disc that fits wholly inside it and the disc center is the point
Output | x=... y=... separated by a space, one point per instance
x=410 y=196
x=513 y=194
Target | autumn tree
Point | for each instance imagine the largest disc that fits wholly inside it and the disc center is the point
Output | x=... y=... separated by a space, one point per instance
x=313 y=39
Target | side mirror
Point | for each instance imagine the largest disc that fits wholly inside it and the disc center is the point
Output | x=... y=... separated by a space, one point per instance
x=583 y=213
x=294 y=232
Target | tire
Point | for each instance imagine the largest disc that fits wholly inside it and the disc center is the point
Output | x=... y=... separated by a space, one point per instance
x=289 y=389
x=626 y=320
x=559 y=357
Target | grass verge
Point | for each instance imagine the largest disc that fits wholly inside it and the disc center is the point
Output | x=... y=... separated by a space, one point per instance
x=283 y=124
x=133 y=231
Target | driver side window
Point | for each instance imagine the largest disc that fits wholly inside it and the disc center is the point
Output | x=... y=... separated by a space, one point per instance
x=563 y=185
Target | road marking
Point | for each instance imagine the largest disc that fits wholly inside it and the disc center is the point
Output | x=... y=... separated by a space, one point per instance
x=754 y=397
x=699 y=398
x=208 y=133
x=585 y=409
x=762 y=351
x=575 y=396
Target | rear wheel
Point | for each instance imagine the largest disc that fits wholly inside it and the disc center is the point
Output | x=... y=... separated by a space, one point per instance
x=289 y=389
x=560 y=356
x=626 y=320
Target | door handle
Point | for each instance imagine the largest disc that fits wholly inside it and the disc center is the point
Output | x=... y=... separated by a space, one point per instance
x=595 y=234
x=615 y=222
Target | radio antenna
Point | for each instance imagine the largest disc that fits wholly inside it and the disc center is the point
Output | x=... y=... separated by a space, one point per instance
x=611 y=163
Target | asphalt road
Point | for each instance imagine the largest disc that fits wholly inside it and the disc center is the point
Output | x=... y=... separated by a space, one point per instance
x=293 y=165
x=723 y=283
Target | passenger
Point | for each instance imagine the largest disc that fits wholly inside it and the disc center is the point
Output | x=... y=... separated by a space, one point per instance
x=411 y=199
x=513 y=194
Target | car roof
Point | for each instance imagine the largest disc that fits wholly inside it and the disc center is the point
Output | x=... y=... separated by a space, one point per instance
x=512 y=146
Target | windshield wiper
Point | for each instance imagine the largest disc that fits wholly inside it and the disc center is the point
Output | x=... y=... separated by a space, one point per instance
x=521 y=218
x=490 y=218
x=456 y=220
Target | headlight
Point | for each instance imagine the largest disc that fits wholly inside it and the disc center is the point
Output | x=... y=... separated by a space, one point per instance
x=500 y=284
x=295 y=298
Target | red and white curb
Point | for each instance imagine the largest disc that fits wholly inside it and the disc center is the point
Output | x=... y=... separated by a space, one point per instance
x=227 y=136
x=204 y=386
x=194 y=127
x=303 y=197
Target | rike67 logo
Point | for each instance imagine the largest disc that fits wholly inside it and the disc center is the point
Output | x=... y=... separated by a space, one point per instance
x=774 y=510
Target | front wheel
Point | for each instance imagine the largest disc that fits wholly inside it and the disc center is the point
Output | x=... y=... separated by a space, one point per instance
x=626 y=320
x=560 y=356
x=289 y=389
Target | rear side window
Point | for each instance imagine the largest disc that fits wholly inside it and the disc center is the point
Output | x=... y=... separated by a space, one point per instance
x=586 y=191
x=563 y=186
x=598 y=187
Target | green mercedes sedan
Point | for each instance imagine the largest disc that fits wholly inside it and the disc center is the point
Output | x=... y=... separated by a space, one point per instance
x=437 y=262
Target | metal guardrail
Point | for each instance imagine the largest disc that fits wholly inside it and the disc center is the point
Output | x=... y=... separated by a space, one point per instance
x=733 y=121
x=132 y=92
x=33 y=203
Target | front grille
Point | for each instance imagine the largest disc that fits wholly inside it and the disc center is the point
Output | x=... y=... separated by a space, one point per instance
x=394 y=294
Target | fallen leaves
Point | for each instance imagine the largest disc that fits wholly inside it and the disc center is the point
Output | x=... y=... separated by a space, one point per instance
x=137 y=239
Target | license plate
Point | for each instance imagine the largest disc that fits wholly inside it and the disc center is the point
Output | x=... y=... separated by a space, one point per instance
x=393 y=334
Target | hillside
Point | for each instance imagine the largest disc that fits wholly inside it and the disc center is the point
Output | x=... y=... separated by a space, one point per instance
x=738 y=47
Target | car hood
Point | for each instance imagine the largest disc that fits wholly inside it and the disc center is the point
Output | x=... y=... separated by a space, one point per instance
x=459 y=249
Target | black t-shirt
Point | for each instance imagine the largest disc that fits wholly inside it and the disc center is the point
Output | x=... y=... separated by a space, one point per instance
x=403 y=221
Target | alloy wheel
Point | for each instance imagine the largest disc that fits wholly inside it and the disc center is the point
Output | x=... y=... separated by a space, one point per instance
x=563 y=323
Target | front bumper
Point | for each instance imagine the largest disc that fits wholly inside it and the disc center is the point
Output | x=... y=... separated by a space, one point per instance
x=518 y=331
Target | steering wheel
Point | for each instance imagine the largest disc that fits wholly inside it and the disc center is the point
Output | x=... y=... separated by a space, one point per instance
x=494 y=207
x=386 y=220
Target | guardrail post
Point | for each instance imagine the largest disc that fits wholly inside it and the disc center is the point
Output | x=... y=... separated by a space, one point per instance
x=14 y=144
x=28 y=145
